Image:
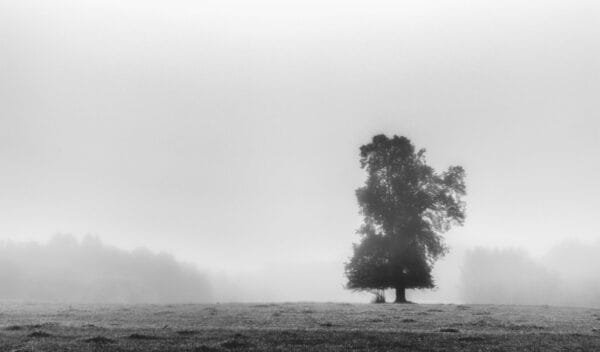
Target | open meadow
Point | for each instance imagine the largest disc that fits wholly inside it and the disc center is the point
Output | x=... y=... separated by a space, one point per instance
x=297 y=327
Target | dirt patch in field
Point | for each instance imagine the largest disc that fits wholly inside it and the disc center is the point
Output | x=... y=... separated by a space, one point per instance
x=14 y=328
x=187 y=332
x=264 y=305
x=136 y=336
x=99 y=340
x=482 y=313
x=327 y=324
x=39 y=334
x=435 y=310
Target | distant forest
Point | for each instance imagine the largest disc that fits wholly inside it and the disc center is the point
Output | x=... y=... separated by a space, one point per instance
x=68 y=270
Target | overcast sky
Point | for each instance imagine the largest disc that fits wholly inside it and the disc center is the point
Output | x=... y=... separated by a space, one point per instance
x=228 y=133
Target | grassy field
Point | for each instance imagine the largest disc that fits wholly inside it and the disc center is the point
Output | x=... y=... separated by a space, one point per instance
x=297 y=327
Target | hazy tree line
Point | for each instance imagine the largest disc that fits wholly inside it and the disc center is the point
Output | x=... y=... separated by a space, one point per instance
x=68 y=270
x=65 y=269
x=565 y=276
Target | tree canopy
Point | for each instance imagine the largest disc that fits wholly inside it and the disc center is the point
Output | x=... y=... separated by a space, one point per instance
x=406 y=206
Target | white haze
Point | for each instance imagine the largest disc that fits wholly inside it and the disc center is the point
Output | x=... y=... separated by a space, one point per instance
x=68 y=270
x=226 y=133
x=566 y=276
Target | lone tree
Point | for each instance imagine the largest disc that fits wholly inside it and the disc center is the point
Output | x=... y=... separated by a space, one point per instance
x=406 y=206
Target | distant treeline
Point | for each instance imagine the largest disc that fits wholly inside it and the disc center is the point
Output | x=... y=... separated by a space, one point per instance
x=568 y=275
x=68 y=270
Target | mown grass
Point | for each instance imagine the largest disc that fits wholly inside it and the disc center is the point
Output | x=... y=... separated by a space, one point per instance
x=297 y=327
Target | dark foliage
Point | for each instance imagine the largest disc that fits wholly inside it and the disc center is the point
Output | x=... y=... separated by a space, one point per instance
x=406 y=205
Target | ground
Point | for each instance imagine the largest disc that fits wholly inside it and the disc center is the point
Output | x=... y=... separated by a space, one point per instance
x=297 y=327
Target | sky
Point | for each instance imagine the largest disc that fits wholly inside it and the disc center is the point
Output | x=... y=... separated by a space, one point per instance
x=227 y=133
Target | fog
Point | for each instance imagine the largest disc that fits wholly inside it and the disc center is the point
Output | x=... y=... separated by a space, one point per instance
x=69 y=270
x=227 y=133
x=567 y=275
x=86 y=270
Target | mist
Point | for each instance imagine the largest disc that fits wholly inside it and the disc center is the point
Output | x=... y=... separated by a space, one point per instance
x=565 y=276
x=87 y=270
x=227 y=135
x=66 y=269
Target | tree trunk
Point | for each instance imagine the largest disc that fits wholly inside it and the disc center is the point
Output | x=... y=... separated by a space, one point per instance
x=400 y=295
